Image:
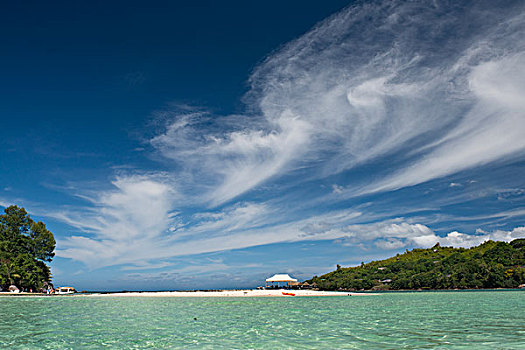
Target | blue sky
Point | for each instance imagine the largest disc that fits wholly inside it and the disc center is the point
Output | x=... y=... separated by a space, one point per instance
x=176 y=146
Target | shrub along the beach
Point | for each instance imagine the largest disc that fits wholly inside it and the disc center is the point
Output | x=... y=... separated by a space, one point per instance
x=25 y=247
x=489 y=265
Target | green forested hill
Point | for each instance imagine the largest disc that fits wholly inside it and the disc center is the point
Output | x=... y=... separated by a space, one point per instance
x=489 y=265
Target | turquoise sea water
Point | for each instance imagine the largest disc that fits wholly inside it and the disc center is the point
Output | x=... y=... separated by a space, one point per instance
x=429 y=320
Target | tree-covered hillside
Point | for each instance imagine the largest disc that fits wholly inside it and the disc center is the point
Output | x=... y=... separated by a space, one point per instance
x=489 y=265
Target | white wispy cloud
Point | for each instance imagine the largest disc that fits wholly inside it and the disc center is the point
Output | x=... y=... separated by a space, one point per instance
x=383 y=79
x=243 y=226
x=225 y=163
x=491 y=130
x=457 y=239
x=399 y=233
x=122 y=223
x=382 y=83
x=241 y=216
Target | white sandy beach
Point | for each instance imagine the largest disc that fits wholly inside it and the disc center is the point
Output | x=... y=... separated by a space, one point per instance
x=234 y=293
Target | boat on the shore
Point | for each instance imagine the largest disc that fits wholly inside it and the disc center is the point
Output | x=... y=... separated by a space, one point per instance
x=65 y=290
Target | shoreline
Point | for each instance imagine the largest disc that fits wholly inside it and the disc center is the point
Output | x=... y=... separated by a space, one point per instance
x=247 y=293
x=231 y=293
x=271 y=293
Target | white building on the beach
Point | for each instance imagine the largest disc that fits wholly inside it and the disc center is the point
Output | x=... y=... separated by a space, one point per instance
x=283 y=278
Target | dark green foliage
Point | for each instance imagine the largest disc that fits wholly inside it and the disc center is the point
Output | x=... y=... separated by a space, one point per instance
x=489 y=265
x=25 y=246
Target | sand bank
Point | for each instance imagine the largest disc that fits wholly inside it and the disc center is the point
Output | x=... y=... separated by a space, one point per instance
x=234 y=293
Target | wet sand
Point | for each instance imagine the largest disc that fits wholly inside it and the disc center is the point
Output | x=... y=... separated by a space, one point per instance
x=234 y=293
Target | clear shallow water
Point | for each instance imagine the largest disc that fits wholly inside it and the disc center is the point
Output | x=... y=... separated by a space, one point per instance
x=433 y=320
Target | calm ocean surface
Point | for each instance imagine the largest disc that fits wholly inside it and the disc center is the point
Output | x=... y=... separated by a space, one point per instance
x=430 y=320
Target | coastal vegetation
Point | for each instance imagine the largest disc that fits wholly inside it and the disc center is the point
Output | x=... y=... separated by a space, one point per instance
x=489 y=265
x=25 y=247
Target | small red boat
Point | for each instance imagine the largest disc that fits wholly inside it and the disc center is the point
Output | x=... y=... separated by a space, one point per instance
x=290 y=294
